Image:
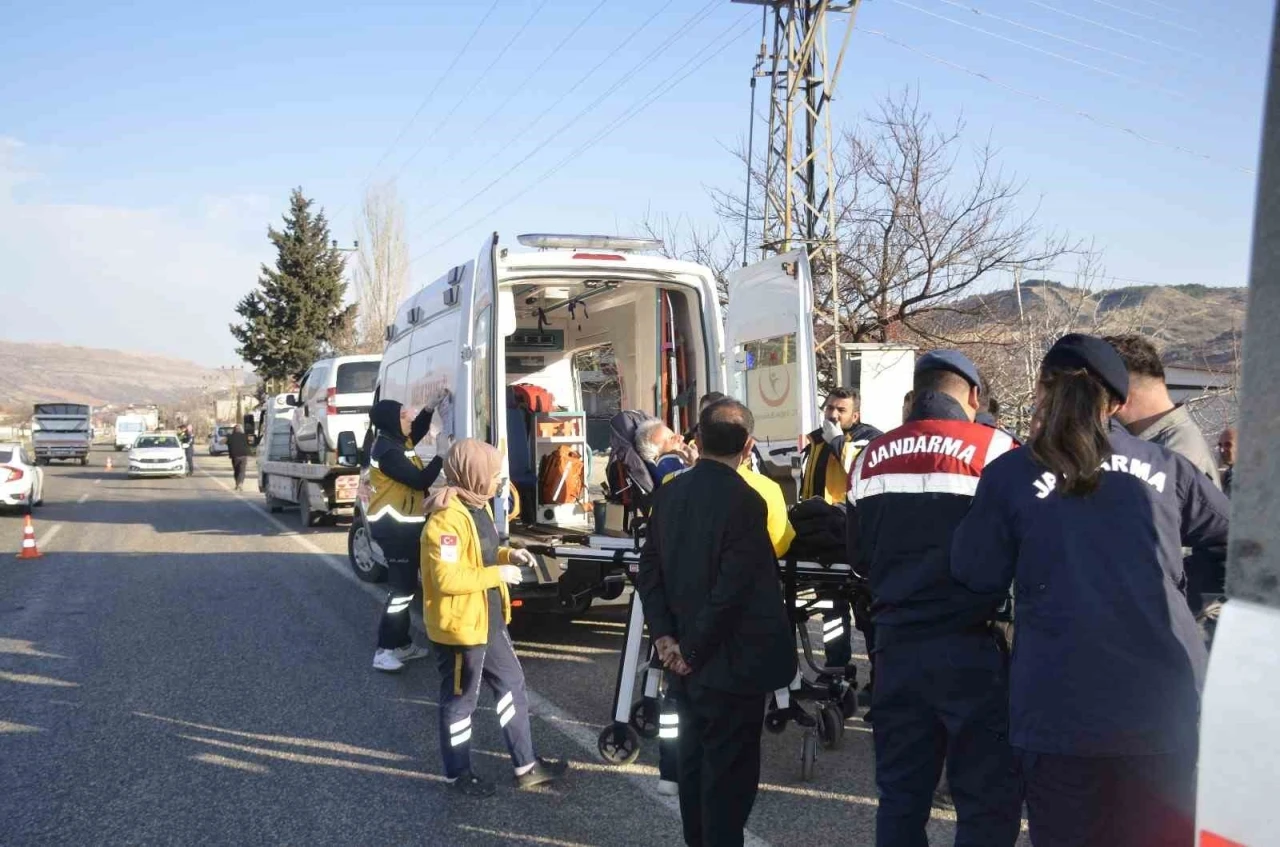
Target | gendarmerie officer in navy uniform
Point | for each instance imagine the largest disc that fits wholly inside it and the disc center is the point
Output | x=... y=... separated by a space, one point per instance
x=1089 y=522
x=940 y=689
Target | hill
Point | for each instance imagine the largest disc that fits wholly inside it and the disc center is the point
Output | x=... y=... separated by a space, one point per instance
x=1193 y=325
x=34 y=372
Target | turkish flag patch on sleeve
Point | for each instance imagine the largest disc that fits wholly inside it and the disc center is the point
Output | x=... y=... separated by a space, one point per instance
x=448 y=548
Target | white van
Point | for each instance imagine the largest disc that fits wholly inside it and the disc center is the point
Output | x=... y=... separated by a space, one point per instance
x=511 y=317
x=334 y=397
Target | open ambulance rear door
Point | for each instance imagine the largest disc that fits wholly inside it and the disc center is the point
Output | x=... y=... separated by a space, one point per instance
x=769 y=349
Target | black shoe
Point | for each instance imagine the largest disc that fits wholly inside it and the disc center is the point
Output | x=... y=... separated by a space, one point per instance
x=470 y=785
x=866 y=716
x=542 y=772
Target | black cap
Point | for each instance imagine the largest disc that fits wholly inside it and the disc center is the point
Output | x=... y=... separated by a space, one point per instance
x=1095 y=356
x=950 y=360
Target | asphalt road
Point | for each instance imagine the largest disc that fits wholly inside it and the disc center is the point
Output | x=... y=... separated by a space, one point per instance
x=183 y=668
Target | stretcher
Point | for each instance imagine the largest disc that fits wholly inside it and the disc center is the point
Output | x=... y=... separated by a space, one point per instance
x=818 y=701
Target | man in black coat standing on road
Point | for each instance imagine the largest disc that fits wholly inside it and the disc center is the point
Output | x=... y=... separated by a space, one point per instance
x=238 y=450
x=708 y=581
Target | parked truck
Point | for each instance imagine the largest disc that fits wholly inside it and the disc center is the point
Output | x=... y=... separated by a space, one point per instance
x=319 y=491
x=61 y=431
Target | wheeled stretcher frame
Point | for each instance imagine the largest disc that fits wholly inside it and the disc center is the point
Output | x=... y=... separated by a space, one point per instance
x=809 y=589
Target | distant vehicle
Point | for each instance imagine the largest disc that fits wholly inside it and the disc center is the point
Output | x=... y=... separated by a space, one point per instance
x=62 y=431
x=21 y=482
x=128 y=428
x=218 y=439
x=334 y=397
x=157 y=454
x=319 y=490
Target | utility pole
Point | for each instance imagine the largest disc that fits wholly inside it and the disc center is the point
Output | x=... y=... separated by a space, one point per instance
x=799 y=172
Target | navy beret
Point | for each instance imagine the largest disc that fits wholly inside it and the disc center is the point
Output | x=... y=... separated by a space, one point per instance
x=950 y=360
x=1095 y=356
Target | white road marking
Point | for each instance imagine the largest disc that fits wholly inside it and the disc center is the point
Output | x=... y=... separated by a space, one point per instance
x=552 y=714
x=97 y=482
x=48 y=536
x=83 y=497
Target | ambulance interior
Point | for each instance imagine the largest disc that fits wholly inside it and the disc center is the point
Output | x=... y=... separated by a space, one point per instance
x=596 y=346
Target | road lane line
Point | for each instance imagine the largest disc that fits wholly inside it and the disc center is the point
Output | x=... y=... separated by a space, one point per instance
x=97 y=482
x=552 y=715
x=48 y=536
x=83 y=497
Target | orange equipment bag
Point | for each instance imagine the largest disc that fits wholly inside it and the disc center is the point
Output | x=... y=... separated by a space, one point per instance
x=533 y=398
x=562 y=476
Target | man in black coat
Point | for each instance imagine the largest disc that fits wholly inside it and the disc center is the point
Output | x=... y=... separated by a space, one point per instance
x=238 y=450
x=708 y=581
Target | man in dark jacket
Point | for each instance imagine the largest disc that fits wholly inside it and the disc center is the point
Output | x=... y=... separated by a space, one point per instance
x=238 y=450
x=940 y=688
x=708 y=582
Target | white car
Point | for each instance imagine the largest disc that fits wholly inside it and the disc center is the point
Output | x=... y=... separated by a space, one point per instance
x=157 y=455
x=334 y=397
x=21 y=482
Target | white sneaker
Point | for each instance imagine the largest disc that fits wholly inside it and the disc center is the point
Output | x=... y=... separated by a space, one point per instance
x=410 y=652
x=385 y=660
x=667 y=788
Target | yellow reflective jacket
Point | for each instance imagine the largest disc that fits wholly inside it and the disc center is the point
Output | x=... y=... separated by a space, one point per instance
x=827 y=475
x=454 y=579
x=398 y=482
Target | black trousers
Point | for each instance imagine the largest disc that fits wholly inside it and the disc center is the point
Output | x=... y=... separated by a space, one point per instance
x=719 y=763
x=939 y=700
x=1123 y=801
x=837 y=637
x=191 y=459
x=462 y=671
x=238 y=466
x=400 y=550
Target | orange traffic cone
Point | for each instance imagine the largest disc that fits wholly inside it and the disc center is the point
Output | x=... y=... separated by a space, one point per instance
x=29 y=548
x=108 y=463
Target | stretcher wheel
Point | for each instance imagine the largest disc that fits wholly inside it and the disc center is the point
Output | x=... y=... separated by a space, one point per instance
x=831 y=727
x=776 y=721
x=808 y=755
x=619 y=744
x=644 y=718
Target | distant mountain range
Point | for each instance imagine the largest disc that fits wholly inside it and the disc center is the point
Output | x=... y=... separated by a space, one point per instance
x=1193 y=325
x=33 y=372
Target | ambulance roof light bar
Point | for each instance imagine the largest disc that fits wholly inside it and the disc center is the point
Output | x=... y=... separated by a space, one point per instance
x=620 y=243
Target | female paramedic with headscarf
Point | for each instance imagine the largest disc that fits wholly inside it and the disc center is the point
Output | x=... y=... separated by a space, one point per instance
x=397 y=483
x=465 y=573
x=1107 y=663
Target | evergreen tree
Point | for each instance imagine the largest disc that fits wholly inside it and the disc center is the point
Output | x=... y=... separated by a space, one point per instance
x=297 y=311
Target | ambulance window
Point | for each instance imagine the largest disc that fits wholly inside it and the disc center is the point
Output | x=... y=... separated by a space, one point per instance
x=769 y=384
x=482 y=377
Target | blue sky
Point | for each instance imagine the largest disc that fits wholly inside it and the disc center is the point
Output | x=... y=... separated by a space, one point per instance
x=145 y=148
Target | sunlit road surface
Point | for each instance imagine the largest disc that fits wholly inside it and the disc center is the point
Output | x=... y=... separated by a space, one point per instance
x=183 y=668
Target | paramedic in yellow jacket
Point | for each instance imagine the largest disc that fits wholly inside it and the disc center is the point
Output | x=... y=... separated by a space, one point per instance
x=465 y=573
x=398 y=482
x=832 y=448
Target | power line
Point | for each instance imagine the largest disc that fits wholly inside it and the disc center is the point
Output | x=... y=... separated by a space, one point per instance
x=1043 y=32
x=1145 y=17
x=696 y=19
x=1036 y=49
x=735 y=32
x=466 y=45
x=1059 y=105
x=608 y=57
x=1116 y=29
x=528 y=78
x=443 y=122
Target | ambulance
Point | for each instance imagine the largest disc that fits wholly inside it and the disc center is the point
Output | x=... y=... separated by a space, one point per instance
x=521 y=321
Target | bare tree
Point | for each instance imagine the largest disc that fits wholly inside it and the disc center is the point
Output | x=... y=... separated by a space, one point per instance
x=708 y=245
x=381 y=271
x=921 y=219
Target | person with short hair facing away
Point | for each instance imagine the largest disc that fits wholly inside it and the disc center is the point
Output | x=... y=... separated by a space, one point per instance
x=1089 y=521
x=1227 y=441
x=940 y=691
x=708 y=582
x=663 y=452
x=1149 y=412
x=466 y=609
x=238 y=452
